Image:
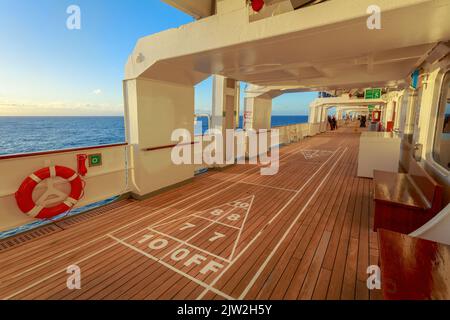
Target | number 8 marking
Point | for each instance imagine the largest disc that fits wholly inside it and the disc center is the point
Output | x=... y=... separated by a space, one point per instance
x=234 y=217
x=217 y=212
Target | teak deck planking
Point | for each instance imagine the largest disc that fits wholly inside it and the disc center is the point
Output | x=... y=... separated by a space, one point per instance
x=307 y=234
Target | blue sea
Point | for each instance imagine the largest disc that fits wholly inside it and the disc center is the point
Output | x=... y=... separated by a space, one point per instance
x=202 y=122
x=34 y=134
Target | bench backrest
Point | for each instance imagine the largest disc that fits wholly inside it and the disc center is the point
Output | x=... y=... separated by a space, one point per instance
x=431 y=190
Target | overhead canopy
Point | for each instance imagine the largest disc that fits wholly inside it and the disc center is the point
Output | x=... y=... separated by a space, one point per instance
x=346 y=102
x=205 y=8
x=317 y=48
x=195 y=8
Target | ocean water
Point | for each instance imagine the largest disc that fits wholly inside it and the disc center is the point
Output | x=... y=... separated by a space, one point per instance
x=202 y=122
x=32 y=134
x=286 y=120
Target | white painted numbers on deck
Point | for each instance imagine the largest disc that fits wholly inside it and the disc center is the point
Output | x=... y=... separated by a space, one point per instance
x=182 y=254
x=216 y=236
x=197 y=245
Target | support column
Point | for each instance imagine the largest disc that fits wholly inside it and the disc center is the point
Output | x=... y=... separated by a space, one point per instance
x=410 y=116
x=315 y=114
x=389 y=113
x=312 y=114
x=153 y=110
x=225 y=108
x=257 y=113
x=338 y=113
x=257 y=116
x=323 y=119
x=225 y=104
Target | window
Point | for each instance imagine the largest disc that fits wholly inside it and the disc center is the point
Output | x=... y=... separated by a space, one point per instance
x=441 y=148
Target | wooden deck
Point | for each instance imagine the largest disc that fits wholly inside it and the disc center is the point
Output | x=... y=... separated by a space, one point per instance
x=304 y=233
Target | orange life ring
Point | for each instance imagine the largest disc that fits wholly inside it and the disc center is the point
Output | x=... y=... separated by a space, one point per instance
x=24 y=194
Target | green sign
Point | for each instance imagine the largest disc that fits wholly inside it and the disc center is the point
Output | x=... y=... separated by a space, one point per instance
x=95 y=160
x=371 y=108
x=372 y=94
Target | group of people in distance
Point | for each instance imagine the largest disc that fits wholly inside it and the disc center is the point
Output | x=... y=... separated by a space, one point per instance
x=332 y=122
x=362 y=121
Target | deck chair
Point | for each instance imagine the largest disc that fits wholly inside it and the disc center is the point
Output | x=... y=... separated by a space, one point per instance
x=437 y=229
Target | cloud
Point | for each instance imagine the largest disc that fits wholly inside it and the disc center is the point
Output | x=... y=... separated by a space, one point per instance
x=56 y=108
x=97 y=92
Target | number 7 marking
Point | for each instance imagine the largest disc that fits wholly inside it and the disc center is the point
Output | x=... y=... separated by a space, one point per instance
x=187 y=225
x=217 y=236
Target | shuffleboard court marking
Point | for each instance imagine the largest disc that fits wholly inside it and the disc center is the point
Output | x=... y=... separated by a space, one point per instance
x=302 y=187
x=311 y=154
x=290 y=154
x=198 y=214
x=268 y=186
x=109 y=234
x=276 y=215
x=275 y=249
x=181 y=243
x=241 y=204
x=210 y=287
x=317 y=153
x=167 y=265
x=204 y=198
x=218 y=222
x=242 y=227
x=54 y=258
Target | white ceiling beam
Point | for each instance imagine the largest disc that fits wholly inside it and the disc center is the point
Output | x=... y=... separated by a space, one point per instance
x=195 y=8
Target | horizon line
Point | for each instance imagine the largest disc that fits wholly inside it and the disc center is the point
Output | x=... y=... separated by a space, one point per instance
x=118 y=115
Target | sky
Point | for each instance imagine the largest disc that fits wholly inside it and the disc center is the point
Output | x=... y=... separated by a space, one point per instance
x=47 y=69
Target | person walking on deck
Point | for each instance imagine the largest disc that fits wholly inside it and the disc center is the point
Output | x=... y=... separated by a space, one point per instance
x=334 y=122
x=330 y=122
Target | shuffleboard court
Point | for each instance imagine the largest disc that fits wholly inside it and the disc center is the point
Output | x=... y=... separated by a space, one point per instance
x=230 y=234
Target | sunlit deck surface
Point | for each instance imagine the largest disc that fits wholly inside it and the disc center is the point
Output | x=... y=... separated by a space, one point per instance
x=304 y=233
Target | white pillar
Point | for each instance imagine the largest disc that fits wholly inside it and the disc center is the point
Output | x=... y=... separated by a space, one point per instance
x=388 y=113
x=257 y=113
x=225 y=112
x=312 y=114
x=323 y=119
x=410 y=115
x=339 y=114
x=225 y=104
x=154 y=109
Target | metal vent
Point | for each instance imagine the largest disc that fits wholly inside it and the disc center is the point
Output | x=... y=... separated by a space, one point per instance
x=72 y=221
x=26 y=237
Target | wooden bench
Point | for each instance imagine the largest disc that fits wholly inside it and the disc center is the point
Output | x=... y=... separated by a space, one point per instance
x=412 y=268
x=405 y=201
